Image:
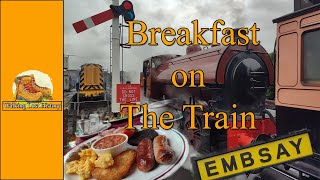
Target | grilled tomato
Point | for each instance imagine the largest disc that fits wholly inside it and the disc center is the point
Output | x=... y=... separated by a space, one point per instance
x=129 y=132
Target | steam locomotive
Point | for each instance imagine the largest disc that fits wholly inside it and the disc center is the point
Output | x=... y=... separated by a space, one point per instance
x=241 y=75
x=232 y=75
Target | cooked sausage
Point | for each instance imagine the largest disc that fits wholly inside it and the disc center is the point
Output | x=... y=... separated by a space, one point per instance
x=162 y=151
x=145 y=155
x=138 y=136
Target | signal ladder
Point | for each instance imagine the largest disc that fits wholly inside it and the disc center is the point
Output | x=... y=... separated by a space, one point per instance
x=122 y=45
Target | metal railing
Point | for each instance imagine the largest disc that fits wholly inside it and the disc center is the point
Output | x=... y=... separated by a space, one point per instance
x=76 y=105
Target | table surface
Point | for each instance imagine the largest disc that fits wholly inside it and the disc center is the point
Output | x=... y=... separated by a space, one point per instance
x=183 y=173
x=186 y=171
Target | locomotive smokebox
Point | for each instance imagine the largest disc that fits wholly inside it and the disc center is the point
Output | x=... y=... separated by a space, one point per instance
x=232 y=75
x=246 y=82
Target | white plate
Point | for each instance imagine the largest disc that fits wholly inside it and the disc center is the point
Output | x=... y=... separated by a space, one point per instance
x=104 y=127
x=178 y=143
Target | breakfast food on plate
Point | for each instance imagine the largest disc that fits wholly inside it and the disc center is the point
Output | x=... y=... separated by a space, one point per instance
x=88 y=154
x=72 y=167
x=101 y=163
x=81 y=167
x=104 y=161
x=162 y=151
x=128 y=132
x=84 y=166
x=121 y=167
x=138 y=136
x=145 y=155
x=109 y=141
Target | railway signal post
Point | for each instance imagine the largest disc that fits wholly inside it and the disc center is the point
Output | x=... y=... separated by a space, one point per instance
x=115 y=107
x=126 y=10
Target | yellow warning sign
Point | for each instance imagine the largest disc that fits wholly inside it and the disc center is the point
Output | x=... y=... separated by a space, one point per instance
x=254 y=157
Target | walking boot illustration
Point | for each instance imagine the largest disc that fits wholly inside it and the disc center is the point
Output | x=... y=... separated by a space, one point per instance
x=44 y=90
x=25 y=91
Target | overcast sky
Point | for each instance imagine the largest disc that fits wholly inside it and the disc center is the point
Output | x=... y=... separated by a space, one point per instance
x=93 y=45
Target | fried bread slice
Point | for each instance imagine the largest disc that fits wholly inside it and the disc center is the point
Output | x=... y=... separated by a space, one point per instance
x=121 y=167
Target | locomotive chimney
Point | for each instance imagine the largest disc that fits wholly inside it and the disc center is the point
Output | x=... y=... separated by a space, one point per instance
x=193 y=48
x=236 y=36
x=236 y=30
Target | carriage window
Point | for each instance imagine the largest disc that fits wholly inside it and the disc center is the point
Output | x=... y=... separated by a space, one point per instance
x=311 y=57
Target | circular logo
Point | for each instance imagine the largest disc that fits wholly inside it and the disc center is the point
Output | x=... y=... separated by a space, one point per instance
x=32 y=85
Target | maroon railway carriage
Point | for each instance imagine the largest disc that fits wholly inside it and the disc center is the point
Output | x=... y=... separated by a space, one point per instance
x=232 y=75
x=298 y=80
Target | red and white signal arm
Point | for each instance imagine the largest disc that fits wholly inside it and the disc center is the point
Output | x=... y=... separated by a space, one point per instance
x=128 y=93
x=125 y=9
